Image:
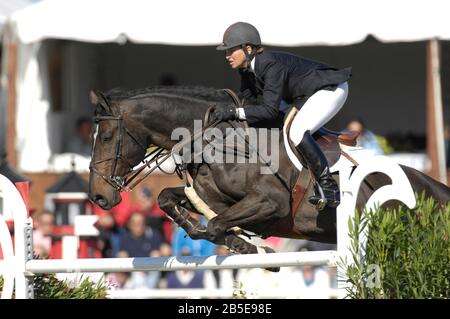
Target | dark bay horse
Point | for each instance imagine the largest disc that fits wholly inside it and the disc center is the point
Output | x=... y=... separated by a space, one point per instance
x=129 y=121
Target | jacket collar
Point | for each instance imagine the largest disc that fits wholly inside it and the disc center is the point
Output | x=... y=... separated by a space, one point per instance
x=258 y=60
x=256 y=69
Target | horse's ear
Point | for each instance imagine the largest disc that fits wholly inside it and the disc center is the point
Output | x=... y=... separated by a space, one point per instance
x=94 y=98
x=99 y=99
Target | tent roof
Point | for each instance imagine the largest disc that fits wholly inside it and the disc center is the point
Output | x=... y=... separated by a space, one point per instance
x=202 y=22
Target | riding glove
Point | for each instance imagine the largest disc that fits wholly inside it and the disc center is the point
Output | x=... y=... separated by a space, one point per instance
x=225 y=112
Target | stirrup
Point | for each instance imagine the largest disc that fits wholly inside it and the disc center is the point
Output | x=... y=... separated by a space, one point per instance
x=320 y=200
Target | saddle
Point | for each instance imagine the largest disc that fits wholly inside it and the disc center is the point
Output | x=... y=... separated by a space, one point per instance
x=328 y=141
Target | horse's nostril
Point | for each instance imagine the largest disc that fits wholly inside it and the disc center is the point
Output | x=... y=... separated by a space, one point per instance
x=100 y=200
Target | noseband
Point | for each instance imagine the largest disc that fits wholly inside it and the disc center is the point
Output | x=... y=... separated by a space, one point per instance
x=120 y=183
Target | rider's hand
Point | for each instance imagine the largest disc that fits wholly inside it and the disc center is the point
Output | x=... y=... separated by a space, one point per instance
x=225 y=112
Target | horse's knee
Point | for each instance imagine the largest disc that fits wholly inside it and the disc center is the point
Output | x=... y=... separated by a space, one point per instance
x=165 y=199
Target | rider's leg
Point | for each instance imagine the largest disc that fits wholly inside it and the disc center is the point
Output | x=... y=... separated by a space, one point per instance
x=317 y=111
x=327 y=190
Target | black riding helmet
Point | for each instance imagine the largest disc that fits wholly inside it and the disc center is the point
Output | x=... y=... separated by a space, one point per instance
x=240 y=34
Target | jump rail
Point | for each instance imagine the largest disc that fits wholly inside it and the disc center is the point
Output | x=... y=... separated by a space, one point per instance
x=181 y=263
x=21 y=267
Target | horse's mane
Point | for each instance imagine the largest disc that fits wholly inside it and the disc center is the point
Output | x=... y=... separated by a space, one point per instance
x=198 y=92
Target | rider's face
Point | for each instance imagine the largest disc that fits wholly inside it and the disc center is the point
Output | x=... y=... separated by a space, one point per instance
x=236 y=58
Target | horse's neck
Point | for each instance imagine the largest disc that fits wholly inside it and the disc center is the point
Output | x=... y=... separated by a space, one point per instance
x=163 y=115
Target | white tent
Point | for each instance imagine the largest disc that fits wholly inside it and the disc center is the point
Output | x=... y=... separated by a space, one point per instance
x=194 y=23
x=201 y=22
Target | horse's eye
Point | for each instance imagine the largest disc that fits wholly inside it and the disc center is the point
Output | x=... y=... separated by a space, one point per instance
x=106 y=136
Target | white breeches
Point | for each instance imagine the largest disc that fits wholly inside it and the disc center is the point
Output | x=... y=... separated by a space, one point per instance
x=321 y=107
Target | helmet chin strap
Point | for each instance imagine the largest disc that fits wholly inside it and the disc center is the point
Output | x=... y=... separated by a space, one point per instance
x=248 y=56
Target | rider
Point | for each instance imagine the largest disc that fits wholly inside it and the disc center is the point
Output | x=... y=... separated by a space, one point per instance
x=317 y=90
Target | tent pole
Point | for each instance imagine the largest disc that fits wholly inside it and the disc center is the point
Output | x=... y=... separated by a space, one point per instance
x=10 y=142
x=435 y=125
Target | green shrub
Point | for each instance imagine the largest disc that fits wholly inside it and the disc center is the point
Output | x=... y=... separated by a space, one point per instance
x=409 y=250
x=47 y=286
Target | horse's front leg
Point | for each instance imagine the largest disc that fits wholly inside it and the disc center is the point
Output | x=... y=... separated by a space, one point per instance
x=175 y=203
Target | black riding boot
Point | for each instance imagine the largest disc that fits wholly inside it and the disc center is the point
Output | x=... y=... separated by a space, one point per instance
x=327 y=190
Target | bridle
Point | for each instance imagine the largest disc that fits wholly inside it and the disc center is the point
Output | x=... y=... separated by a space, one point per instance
x=121 y=183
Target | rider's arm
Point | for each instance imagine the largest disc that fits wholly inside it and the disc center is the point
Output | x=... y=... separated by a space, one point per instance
x=274 y=76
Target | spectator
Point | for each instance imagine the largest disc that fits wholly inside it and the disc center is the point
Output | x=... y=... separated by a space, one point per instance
x=332 y=274
x=81 y=143
x=110 y=233
x=186 y=278
x=43 y=230
x=315 y=279
x=146 y=205
x=155 y=217
x=121 y=212
x=366 y=138
x=141 y=242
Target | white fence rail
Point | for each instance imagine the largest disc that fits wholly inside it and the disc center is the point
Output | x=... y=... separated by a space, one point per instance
x=182 y=263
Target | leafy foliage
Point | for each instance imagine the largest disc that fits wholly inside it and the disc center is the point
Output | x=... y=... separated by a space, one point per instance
x=47 y=286
x=407 y=253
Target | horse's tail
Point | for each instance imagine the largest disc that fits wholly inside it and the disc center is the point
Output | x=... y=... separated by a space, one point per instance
x=423 y=183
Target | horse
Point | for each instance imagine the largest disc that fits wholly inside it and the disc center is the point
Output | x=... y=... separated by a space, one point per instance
x=127 y=122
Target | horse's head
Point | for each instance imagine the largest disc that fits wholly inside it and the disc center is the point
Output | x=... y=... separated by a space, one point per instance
x=115 y=151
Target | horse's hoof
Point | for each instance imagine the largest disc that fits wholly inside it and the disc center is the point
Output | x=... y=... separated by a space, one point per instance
x=238 y=245
x=269 y=250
